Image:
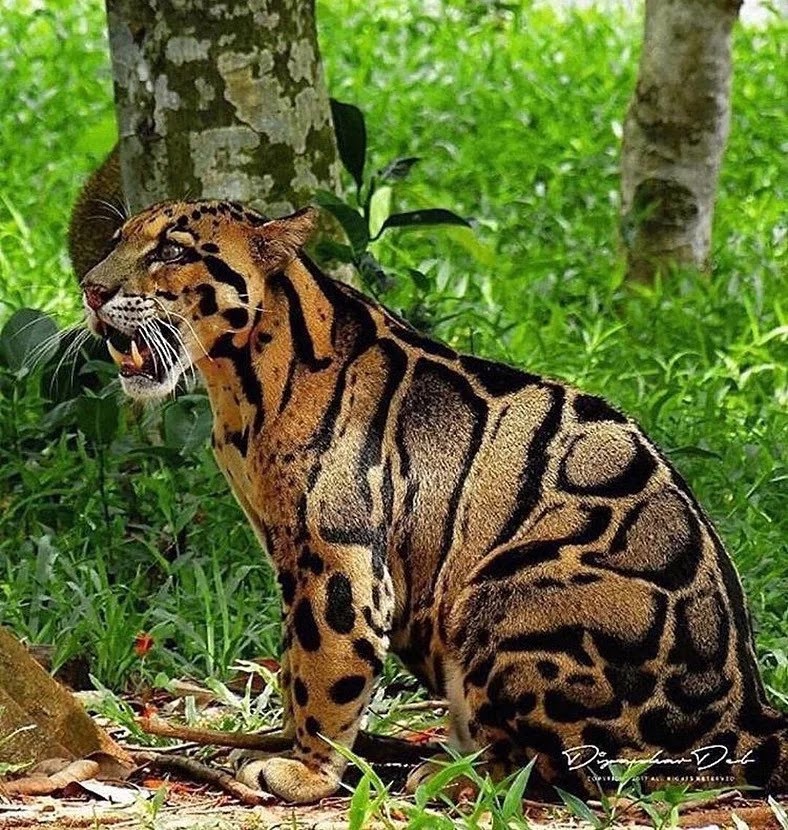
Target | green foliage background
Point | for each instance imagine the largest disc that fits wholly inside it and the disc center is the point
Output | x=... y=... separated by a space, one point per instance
x=516 y=113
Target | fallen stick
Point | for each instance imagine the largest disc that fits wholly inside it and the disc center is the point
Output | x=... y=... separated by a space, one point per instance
x=194 y=734
x=47 y=784
x=375 y=748
x=200 y=772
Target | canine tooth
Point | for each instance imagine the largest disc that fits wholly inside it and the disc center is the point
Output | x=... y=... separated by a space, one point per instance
x=136 y=357
x=116 y=355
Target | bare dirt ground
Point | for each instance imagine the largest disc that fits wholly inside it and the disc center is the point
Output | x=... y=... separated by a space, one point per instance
x=212 y=810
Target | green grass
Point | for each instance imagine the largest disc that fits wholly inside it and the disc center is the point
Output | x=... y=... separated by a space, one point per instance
x=517 y=117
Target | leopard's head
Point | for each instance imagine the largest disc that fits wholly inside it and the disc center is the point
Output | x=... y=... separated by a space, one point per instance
x=181 y=275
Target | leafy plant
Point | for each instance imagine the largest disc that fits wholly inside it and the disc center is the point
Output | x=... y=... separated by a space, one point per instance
x=662 y=806
x=366 y=215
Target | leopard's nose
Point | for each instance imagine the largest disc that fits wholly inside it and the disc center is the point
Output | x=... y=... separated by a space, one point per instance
x=97 y=295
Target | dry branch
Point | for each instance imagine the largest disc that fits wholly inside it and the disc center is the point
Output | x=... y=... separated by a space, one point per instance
x=200 y=772
x=375 y=748
x=47 y=784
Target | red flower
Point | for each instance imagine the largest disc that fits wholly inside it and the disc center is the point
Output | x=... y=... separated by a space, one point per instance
x=143 y=643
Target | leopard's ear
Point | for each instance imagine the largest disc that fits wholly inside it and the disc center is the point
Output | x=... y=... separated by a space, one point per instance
x=278 y=242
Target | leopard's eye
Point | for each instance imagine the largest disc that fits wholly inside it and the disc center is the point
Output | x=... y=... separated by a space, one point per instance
x=170 y=252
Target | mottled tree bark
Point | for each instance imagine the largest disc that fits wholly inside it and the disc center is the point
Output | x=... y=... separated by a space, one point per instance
x=221 y=99
x=675 y=133
x=30 y=697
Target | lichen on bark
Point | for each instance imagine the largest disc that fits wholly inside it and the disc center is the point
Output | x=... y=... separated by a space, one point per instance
x=221 y=100
x=675 y=133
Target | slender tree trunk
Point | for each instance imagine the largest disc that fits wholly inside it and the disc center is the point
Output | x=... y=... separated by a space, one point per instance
x=675 y=133
x=221 y=98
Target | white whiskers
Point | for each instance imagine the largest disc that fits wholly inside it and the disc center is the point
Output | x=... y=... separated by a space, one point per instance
x=116 y=211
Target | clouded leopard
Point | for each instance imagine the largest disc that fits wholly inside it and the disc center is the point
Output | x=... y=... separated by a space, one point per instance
x=522 y=546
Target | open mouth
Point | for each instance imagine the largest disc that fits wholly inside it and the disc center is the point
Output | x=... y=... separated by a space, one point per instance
x=142 y=355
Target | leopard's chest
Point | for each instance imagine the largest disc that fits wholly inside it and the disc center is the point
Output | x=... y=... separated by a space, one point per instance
x=269 y=480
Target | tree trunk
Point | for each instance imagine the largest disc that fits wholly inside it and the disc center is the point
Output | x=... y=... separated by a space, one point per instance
x=675 y=133
x=39 y=718
x=221 y=99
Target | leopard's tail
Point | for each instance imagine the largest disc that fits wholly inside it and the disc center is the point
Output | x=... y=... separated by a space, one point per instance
x=769 y=759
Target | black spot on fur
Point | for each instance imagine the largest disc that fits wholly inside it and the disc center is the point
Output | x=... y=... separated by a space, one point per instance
x=478 y=675
x=548 y=669
x=236 y=317
x=288 y=585
x=241 y=359
x=208 y=304
x=305 y=626
x=312 y=726
x=366 y=651
x=300 y=692
x=370 y=621
x=630 y=683
x=567 y=639
x=340 y=615
x=302 y=341
x=674 y=731
x=210 y=248
x=564 y=709
x=309 y=561
x=347 y=689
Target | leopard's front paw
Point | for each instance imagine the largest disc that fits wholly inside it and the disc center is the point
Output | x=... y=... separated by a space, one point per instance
x=290 y=779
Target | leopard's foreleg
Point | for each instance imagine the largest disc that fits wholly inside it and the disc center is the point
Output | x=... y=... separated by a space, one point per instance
x=335 y=640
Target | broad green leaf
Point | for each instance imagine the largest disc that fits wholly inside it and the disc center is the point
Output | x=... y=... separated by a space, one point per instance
x=353 y=223
x=379 y=209
x=187 y=423
x=60 y=415
x=436 y=783
x=579 y=808
x=351 y=134
x=29 y=338
x=98 y=418
x=328 y=249
x=420 y=218
x=327 y=197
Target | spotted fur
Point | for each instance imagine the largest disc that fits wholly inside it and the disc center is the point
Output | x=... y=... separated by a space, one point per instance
x=522 y=546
